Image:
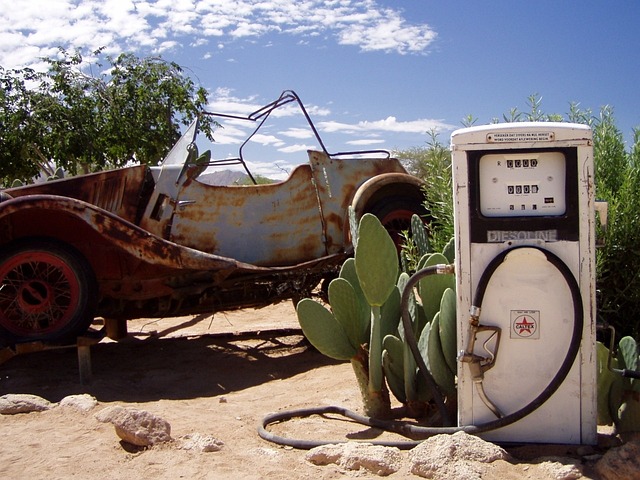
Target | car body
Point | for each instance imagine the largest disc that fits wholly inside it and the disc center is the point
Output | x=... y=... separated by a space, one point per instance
x=146 y=241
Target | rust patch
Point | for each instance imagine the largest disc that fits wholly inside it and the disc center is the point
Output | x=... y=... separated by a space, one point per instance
x=116 y=191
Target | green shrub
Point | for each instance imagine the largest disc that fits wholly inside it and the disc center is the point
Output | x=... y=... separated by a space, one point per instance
x=618 y=261
x=433 y=165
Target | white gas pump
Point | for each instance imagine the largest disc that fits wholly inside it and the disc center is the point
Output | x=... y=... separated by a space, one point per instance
x=525 y=269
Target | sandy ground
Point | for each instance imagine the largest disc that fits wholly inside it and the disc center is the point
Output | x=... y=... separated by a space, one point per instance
x=202 y=377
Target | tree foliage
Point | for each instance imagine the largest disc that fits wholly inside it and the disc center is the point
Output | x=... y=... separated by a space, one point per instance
x=432 y=163
x=618 y=261
x=70 y=117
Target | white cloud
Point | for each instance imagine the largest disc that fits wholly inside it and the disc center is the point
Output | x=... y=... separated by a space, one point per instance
x=295 y=132
x=263 y=139
x=389 y=124
x=230 y=134
x=31 y=28
x=247 y=29
x=297 y=148
x=389 y=34
x=225 y=102
x=165 y=46
x=366 y=141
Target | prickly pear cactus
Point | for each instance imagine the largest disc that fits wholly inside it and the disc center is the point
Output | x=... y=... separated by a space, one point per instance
x=324 y=331
x=449 y=250
x=432 y=287
x=377 y=268
x=376 y=260
x=365 y=306
x=433 y=321
x=419 y=235
x=363 y=323
x=619 y=397
x=415 y=246
x=447 y=329
x=629 y=409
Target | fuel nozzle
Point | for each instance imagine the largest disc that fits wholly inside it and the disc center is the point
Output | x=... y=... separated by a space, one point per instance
x=479 y=364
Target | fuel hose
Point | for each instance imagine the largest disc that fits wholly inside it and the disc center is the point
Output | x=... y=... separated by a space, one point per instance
x=423 y=432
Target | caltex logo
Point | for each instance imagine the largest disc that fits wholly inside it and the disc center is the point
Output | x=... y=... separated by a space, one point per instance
x=525 y=327
x=525 y=323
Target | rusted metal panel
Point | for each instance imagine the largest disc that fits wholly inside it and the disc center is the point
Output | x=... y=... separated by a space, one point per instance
x=336 y=181
x=117 y=191
x=116 y=231
x=275 y=224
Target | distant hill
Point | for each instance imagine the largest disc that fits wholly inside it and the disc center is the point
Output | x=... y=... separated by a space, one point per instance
x=225 y=177
x=231 y=177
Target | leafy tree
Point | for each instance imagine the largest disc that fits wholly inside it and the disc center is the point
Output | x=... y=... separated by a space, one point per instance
x=70 y=117
x=19 y=123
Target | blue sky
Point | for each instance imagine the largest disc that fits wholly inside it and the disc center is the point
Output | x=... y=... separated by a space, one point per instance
x=373 y=74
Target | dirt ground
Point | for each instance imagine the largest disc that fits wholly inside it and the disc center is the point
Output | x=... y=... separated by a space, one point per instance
x=205 y=377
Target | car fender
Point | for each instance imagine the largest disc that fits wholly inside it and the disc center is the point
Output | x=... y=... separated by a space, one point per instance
x=384 y=185
x=393 y=198
x=64 y=217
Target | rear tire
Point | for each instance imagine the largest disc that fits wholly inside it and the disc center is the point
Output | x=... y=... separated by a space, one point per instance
x=395 y=214
x=48 y=291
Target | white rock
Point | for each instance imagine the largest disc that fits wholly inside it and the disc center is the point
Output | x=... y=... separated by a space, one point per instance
x=106 y=415
x=13 y=403
x=355 y=456
x=200 y=443
x=459 y=456
x=560 y=468
x=83 y=402
x=137 y=427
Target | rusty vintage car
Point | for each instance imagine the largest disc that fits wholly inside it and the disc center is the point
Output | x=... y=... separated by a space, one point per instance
x=148 y=241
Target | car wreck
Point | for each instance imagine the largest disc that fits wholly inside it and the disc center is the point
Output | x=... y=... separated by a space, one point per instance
x=145 y=241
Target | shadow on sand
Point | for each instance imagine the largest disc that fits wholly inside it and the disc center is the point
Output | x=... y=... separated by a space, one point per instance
x=154 y=368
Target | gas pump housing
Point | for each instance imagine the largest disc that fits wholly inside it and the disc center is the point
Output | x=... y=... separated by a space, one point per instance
x=526 y=188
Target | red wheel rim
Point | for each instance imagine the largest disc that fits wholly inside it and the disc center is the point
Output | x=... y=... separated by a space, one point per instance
x=39 y=293
x=395 y=223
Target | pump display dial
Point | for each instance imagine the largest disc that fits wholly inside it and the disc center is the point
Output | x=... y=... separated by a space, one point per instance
x=522 y=184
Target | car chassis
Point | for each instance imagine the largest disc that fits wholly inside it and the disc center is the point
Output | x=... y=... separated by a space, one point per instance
x=156 y=241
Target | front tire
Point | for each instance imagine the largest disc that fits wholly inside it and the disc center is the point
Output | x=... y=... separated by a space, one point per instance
x=48 y=291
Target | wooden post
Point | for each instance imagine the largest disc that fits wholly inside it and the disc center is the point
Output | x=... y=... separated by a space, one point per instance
x=84 y=359
x=116 y=328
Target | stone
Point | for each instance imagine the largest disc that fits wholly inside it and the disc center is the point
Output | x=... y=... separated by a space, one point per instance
x=620 y=463
x=137 y=427
x=82 y=403
x=106 y=415
x=559 y=468
x=459 y=456
x=13 y=403
x=200 y=443
x=376 y=459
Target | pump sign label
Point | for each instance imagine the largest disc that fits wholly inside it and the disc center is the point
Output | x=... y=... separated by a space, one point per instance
x=518 y=137
x=525 y=324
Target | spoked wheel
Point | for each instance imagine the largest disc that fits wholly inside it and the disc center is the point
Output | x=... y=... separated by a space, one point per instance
x=47 y=291
x=395 y=216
